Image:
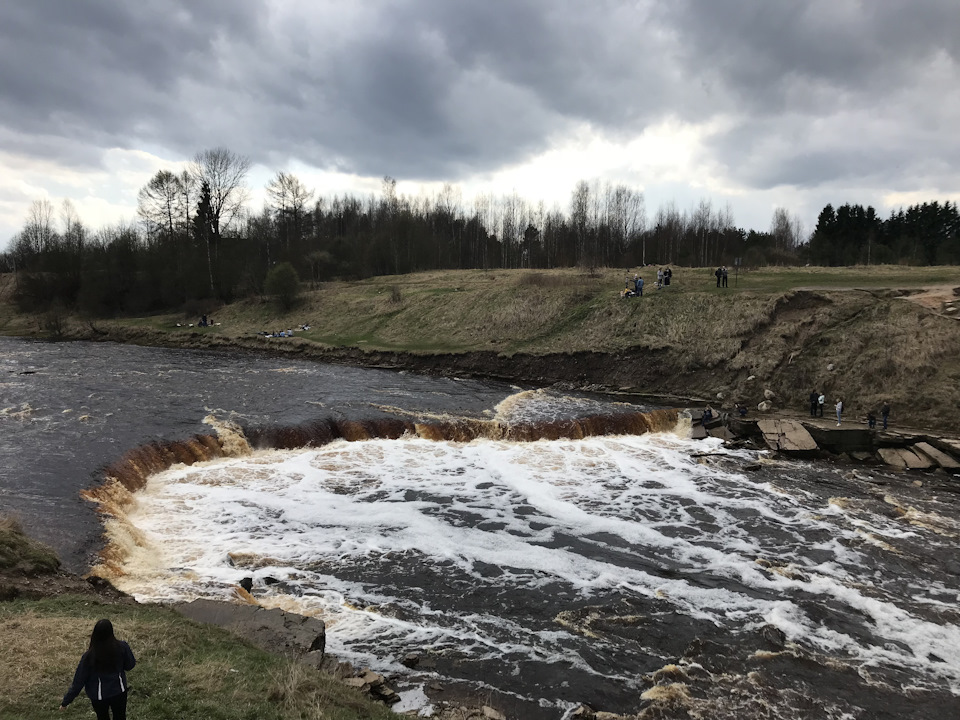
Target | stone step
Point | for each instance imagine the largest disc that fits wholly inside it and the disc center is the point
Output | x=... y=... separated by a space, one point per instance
x=905 y=458
x=940 y=458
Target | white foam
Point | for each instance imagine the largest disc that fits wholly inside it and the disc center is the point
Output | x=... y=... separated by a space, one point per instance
x=306 y=513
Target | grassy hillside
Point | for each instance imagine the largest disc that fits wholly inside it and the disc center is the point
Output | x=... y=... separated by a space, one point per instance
x=782 y=326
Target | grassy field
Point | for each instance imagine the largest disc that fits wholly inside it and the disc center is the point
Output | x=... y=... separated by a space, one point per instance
x=184 y=670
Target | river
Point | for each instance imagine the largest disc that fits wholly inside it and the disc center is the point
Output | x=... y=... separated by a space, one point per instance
x=539 y=574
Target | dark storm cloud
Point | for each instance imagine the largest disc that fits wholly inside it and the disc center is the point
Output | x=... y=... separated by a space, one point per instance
x=828 y=91
x=92 y=71
x=432 y=89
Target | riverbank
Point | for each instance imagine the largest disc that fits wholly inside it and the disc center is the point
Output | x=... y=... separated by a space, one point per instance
x=867 y=335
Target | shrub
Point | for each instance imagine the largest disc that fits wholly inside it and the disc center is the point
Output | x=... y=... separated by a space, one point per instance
x=284 y=284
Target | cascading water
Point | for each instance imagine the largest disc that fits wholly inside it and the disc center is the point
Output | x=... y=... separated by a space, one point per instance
x=540 y=549
x=550 y=571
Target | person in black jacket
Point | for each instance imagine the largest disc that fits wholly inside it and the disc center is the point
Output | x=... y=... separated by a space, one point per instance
x=102 y=673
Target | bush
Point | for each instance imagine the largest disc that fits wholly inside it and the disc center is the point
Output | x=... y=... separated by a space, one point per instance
x=284 y=284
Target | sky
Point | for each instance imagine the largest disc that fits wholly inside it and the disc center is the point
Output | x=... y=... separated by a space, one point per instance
x=756 y=103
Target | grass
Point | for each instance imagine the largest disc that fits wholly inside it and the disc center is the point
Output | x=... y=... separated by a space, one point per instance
x=22 y=555
x=184 y=670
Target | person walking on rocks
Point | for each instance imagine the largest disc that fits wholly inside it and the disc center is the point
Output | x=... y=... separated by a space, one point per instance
x=839 y=407
x=814 y=396
x=885 y=412
x=821 y=401
x=102 y=673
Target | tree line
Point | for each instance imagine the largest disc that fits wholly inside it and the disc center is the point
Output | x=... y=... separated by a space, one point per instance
x=196 y=243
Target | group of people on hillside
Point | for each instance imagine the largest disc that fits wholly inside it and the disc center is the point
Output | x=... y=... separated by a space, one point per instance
x=664 y=276
x=818 y=400
x=721 y=273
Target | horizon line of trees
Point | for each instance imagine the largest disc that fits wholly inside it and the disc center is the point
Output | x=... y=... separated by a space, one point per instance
x=196 y=244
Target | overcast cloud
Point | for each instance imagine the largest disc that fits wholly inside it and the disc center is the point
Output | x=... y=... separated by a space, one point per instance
x=754 y=102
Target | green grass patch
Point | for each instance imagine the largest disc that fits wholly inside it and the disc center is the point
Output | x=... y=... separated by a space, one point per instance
x=184 y=670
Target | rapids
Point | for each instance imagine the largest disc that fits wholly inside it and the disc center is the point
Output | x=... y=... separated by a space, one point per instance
x=427 y=518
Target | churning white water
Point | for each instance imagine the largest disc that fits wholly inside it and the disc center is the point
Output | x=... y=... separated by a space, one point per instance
x=502 y=552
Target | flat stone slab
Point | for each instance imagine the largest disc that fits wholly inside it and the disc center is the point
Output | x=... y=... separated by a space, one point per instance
x=786 y=435
x=905 y=458
x=937 y=456
x=271 y=629
x=720 y=432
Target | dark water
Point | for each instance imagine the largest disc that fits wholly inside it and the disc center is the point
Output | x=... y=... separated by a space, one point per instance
x=538 y=575
x=70 y=409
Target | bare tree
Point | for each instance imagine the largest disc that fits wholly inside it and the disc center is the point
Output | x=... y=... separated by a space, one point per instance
x=163 y=203
x=787 y=231
x=38 y=233
x=225 y=172
x=288 y=197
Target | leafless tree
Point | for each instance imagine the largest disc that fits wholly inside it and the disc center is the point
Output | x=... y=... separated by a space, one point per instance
x=163 y=204
x=288 y=198
x=225 y=172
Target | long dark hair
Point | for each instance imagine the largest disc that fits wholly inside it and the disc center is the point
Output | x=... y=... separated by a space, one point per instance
x=104 y=647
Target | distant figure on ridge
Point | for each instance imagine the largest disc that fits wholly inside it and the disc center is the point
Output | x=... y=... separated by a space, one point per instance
x=102 y=673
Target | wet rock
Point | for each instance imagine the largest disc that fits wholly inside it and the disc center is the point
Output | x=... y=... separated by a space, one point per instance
x=246 y=583
x=410 y=660
x=492 y=714
x=583 y=712
x=773 y=636
x=270 y=580
x=752 y=467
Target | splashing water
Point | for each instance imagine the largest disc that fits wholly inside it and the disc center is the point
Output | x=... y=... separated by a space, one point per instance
x=593 y=560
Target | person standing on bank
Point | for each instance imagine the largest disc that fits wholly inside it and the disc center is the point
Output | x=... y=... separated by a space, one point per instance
x=821 y=401
x=719 y=274
x=102 y=673
x=814 y=396
x=839 y=411
x=885 y=413
x=723 y=277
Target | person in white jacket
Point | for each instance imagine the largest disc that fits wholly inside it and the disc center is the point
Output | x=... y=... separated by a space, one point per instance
x=839 y=411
